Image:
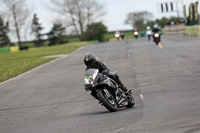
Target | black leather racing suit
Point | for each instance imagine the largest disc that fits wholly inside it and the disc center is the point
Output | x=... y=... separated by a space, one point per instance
x=156 y=30
x=102 y=68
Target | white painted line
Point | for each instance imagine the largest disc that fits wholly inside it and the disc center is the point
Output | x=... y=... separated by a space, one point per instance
x=54 y=56
x=160 y=45
x=66 y=55
x=79 y=48
x=144 y=84
x=142 y=96
x=129 y=54
x=114 y=130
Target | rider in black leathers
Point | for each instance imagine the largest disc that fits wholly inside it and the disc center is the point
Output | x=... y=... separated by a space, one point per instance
x=156 y=29
x=91 y=62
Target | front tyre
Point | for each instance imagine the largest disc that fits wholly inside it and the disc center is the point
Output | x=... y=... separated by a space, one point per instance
x=131 y=101
x=109 y=104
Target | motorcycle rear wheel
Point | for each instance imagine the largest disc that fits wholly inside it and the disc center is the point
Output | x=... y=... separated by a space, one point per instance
x=110 y=105
x=131 y=101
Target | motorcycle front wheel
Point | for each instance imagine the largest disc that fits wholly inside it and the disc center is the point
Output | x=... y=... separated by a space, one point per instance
x=108 y=103
x=157 y=43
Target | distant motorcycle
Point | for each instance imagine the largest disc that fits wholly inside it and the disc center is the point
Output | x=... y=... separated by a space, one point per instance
x=136 y=34
x=156 y=38
x=122 y=35
x=117 y=35
x=107 y=91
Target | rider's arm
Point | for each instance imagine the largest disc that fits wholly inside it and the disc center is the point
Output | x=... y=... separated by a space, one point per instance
x=102 y=67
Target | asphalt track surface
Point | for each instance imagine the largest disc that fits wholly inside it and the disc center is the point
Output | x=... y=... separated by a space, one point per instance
x=165 y=83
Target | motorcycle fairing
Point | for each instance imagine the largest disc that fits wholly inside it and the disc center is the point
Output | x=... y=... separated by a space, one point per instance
x=90 y=76
x=108 y=83
x=156 y=37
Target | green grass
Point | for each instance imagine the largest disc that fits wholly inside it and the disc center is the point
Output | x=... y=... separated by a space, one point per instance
x=16 y=63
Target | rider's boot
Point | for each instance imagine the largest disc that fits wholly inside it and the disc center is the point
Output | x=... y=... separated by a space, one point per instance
x=124 y=88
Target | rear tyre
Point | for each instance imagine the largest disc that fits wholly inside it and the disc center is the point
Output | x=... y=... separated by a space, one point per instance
x=157 y=43
x=131 y=101
x=109 y=104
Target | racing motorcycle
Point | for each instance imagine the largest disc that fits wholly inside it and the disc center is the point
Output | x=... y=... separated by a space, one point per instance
x=117 y=35
x=107 y=91
x=156 y=38
x=136 y=34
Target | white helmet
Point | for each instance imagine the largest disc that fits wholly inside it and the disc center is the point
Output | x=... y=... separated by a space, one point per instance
x=155 y=26
x=148 y=27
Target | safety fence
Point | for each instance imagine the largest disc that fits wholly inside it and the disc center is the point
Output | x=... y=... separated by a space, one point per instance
x=174 y=29
x=10 y=49
x=181 y=29
x=16 y=48
x=192 y=30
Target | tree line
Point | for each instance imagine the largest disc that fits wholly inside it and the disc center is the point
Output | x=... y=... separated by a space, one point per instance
x=142 y=19
x=79 y=15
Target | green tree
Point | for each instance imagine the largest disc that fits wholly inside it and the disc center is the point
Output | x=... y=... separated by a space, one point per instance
x=36 y=30
x=161 y=22
x=56 y=35
x=138 y=19
x=96 y=31
x=17 y=13
x=4 y=29
x=78 y=13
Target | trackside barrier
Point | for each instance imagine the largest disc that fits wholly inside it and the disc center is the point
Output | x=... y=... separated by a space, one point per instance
x=14 y=49
x=4 y=49
x=142 y=34
x=183 y=30
x=199 y=30
x=192 y=30
x=175 y=29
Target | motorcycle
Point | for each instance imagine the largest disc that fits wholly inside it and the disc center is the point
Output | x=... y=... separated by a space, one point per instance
x=117 y=35
x=107 y=91
x=156 y=38
x=136 y=34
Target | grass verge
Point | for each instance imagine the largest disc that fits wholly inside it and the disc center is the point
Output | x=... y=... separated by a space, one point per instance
x=13 y=64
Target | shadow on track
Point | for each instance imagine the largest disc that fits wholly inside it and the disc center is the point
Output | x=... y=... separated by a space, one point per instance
x=106 y=112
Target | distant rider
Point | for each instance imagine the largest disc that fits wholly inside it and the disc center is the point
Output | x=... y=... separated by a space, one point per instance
x=148 y=32
x=122 y=34
x=156 y=29
x=91 y=62
x=117 y=35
